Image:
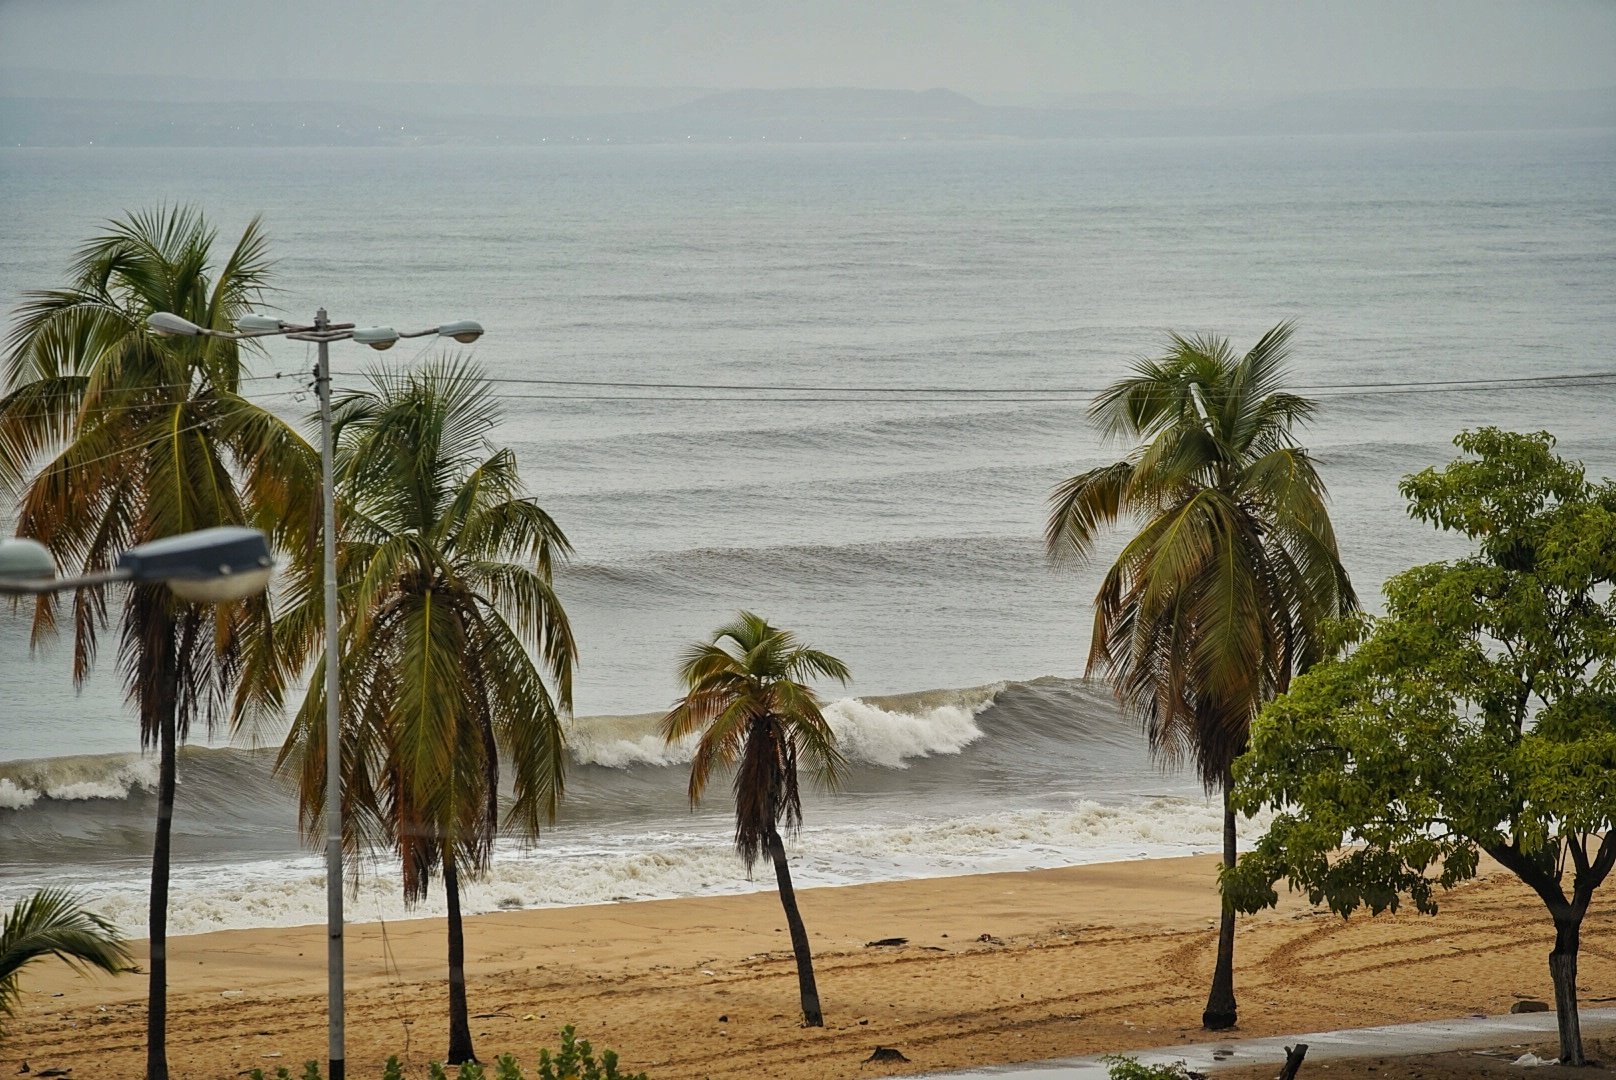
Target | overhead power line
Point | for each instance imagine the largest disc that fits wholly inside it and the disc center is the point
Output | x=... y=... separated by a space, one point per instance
x=975 y=390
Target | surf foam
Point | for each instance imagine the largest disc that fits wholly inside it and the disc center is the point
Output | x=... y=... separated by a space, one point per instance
x=883 y=731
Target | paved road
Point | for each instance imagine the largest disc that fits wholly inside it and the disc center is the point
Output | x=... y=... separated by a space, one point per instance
x=1471 y=1033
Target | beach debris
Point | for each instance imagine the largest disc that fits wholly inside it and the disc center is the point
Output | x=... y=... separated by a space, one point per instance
x=1293 y=1061
x=885 y=1053
x=24 y=1068
x=1529 y=1005
x=886 y=941
x=490 y=1016
x=704 y=971
x=53 y=1072
x=989 y=938
x=864 y=1021
x=723 y=1018
x=1531 y=1060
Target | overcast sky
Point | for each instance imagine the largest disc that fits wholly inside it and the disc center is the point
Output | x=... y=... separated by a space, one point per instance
x=993 y=48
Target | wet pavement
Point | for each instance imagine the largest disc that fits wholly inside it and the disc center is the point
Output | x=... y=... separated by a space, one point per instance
x=1431 y=1037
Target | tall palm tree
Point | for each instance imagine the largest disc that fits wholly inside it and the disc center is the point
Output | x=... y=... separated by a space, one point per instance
x=1223 y=593
x=744 y=694
x=51 y=923
x=111 y=437
x=445 y=573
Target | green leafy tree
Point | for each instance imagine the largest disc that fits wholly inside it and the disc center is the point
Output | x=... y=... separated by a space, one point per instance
x=1223 y=592
x=445 y=575
x=745 y=696
x=111 y=437
x=52 y=923
x=1477 y=715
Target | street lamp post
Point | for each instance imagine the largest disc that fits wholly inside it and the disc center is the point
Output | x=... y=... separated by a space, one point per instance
x=322 y=332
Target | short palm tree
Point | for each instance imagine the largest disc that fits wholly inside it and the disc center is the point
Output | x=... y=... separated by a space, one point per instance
x=51 y=923
x=1223 y=593
x=744 y=694
x=111 y=437
x=445 y=574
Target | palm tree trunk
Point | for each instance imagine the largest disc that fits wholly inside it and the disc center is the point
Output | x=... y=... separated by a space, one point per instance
x=459 y=1021
x=157 y=995
x=811 y=1015
x=1563 y=973
x=1221 y=1012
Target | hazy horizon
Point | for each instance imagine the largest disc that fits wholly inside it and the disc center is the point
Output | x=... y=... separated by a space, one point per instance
x=1014 y=53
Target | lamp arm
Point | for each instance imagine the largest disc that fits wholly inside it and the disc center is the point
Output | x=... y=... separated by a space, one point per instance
x=50 y=585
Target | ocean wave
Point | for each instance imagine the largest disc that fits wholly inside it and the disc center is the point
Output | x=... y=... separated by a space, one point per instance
x=75 y=779
x=886 y=732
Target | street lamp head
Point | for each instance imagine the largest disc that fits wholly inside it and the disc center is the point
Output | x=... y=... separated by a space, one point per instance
x=171 y=325
x=464 y=332
x=210 y=566
x=25 y=560
x=260 y=324
x=380 y=338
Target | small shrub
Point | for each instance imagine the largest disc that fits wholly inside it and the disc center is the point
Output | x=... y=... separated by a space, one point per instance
x=576 y=1061
x=1127 y=1068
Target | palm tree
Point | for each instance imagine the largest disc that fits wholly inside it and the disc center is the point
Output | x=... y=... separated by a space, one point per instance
x=744 y=695
x=445 y=571
x=111 y=437
x=51 y=923
x=1223 y=593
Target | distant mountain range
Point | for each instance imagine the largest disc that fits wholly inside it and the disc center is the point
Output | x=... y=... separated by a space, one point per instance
x=45 y=108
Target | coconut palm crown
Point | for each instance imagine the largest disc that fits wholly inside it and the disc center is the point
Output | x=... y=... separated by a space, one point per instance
x=1224 y=592
x=745 y=694
x=453 y=639
x=52 y=923
x=112 y=437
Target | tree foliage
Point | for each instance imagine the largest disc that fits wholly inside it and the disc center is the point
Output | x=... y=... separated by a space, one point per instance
x=1223 y=593
x=111 y=436
x=1477 y=715
x=52 y=923
x=746 y=697
x=453 y=640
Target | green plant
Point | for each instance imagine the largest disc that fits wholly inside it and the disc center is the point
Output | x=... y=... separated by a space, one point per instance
x=1225 y=591
x=51 y=923
x=1127 y=1068
x=576 y=1061
x=745 y=695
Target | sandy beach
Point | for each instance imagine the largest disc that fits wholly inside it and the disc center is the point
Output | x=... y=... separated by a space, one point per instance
x=997 y=968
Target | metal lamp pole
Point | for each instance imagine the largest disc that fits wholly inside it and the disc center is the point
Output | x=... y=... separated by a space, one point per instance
x=335 y=1034
x=323 y=332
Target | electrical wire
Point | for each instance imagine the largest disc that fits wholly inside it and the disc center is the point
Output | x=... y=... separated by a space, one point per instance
x=975 y=390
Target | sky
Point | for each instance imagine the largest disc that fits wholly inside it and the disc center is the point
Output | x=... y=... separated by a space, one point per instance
x=993 y=49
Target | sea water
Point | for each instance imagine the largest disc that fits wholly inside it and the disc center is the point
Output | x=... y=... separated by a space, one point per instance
x=900 y=531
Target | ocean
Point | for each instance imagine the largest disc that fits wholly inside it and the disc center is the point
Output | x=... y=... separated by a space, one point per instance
x=899 y=531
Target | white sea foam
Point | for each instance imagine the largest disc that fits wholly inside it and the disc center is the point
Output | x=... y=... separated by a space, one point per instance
x=13 y=797
x=868 y=733
x=887 y=732
x=71 y=779
x=695 y=861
